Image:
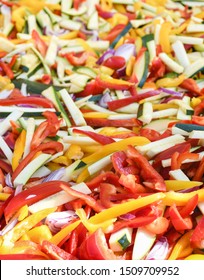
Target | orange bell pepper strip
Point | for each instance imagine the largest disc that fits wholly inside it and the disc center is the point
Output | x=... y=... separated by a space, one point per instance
x=18 y=149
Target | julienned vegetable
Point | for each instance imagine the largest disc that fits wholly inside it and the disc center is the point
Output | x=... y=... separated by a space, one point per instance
x=102 y=130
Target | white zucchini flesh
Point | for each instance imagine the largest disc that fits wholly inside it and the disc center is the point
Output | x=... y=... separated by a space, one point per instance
x=173 y=65
x=5 y=125
x=174 y=139
x=186 y=39
x=72 y=108
x=196 y=134
x=6 y=45
x=5 y=149
x=194 y=67
x=80 y=140
x=100 y=164
x=51 y=51
x=120 y=239
x=32 y=167
x=180 y=53
x=71 y=171
x=178 y=174
x=143 y=243
x=58 y=199
x=159 y=125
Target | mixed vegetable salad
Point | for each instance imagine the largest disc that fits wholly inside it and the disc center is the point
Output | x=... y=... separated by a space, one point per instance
x=101 y=129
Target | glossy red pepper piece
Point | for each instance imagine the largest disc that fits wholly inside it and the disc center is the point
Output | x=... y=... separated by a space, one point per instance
x=102 y=139
x=77 y=59
x=100 y=122
x=54 y=252
x=104 y=177
x=48 y=128
x=115 y=62
x=152 y=179
x=38 y=101
x=39 y=43
x=197 y=237
x=7 y=70
x=191 y=85
x=178 y=221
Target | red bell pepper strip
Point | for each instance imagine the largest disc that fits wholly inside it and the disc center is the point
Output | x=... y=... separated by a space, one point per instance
x=114 y=32
x=133 y=223
x=5 y=166
x=7 y=70
x=92 y=88
x=2 y=178
x=199 y=108
x=197 y=237
x=120 y=164
x=77 y=3
x=102 y=13
x=13 y=60
x=95 y=247
x=116 y=104
x=39 y=101
x=22 y=256
x=2 y=54
x=41 y=46
x=178 y=158
x=100 y=122
x=131 y=183
x=104 y=177
x=178 y=221
x=102 y=139
x=77 y=59
x=199 y=120
x=187 y=210
x=200 y=171
x=48 y=128
x=50 y=147
x=191 y=85
x=122 y=85
x=30 y=196
x=55 y=252
x=152 y=179
x=115 y=62
x=150 y=134
x=182 y=147
x=106 y=190
x=87 y=198
x=71 y=245
x=157 y=70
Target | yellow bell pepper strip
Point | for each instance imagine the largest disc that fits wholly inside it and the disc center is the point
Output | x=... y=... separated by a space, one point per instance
x=123 y=208
x=182 y=244
x=40 y=233
x=170 y=82
x=106 y=81
x=195 y=257
x=63 y=233
x=18 y=149
x=22 y=213
x=164 y=37
x=114 y=147
x=92 y=227
x=4 y=196
x=176 y=185
x=22 y=227
x=180 y=199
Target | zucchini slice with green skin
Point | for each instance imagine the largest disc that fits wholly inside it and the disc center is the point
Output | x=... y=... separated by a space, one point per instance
x=27 y=114
x=189 y=127
x=33 y=87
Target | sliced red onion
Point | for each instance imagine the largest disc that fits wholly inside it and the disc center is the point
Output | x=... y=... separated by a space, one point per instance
x=104 y=99
x=172 y=92
x=121 y=72
x=190 y=190
x=105 y=56
x=55 y=175
x=127 y=217
x=48 y=31
x=126 y=51
x=18 y=189
x=166 y=100
x=8 y=180
x=57 y=220
x=9 y=226
x=160 y=250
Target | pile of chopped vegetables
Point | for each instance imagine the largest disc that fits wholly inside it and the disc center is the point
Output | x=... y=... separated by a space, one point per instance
x=101 y=129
